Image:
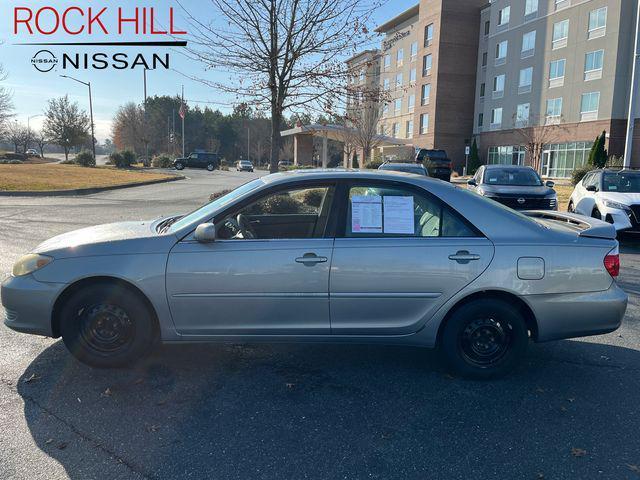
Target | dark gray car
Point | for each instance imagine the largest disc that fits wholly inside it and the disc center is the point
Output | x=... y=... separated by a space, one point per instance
x=517 y=187
x=415 y=168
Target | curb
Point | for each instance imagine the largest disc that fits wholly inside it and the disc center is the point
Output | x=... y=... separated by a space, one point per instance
x=86 y=191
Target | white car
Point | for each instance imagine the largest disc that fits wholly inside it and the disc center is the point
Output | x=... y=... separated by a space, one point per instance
x=610 y=195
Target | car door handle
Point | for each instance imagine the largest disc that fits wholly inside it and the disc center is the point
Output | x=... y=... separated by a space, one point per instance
x=310 y=259
x=463 y=257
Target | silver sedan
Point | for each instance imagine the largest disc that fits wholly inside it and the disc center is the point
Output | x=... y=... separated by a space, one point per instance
x=326 y=256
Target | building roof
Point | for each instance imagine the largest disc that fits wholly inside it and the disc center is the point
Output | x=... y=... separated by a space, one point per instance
x=372 y=52
x=395 y=21
x=337 y=132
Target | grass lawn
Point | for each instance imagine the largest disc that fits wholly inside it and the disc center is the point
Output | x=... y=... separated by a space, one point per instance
x=564 y=192
x=40 y=177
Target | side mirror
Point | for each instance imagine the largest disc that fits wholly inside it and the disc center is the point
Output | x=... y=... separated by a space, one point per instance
x=550 y=184
x=591 y=188
x=205 y=233
x=472 y=183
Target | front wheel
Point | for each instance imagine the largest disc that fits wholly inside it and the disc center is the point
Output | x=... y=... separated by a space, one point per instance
x=571 y=208
x=484 y=339
x=107 y=326
x=211 y=167
x=596 y=213
x=179 y=166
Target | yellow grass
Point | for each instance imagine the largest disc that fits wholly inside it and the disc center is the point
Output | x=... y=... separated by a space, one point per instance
x=68 y=177
x=564 y=192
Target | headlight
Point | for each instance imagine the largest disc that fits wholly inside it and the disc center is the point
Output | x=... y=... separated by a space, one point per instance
x=30 y=263
x=616 y=205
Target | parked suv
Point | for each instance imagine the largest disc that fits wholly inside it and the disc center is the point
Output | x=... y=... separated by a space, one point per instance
x=244 y=166
x=207 y=160
x=436 y=162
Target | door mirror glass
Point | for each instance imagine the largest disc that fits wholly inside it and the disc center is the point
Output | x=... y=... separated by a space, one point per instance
x=205 y=233
x=472 y=182
x=550 y=184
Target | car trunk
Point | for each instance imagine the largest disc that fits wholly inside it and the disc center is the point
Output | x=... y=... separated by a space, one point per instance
x=570 y=222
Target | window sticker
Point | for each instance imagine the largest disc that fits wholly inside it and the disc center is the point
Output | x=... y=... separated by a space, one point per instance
x=613 y=187
x=366 y=214
x=399 y=215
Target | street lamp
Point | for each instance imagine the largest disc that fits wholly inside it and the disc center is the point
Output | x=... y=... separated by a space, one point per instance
x=29 y=119
x=93 y=137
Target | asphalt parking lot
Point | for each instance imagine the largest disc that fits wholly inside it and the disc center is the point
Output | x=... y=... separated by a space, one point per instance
x=572 y=411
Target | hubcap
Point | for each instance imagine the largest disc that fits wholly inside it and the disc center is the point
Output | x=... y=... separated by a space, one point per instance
x=485 y=341
x=105 y=327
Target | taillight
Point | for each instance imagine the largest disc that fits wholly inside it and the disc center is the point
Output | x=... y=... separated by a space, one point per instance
x=612 y=262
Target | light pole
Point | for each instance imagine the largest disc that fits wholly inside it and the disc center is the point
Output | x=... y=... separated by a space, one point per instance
x=29 y=120
x=635 y=76
x=93 y=137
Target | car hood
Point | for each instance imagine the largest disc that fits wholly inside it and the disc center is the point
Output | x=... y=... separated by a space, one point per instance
x=109 y=239
x=624 y=198
x=516 y=190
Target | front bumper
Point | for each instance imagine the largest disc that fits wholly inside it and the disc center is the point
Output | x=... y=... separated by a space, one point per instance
x=570 y=315
x=28 y=304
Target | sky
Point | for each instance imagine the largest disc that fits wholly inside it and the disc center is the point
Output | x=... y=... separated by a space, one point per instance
x=111 y=88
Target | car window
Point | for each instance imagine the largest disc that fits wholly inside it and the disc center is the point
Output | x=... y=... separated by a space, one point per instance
x=621 y=182
x=286 y=214
x=194 y=156
x=394 y=211
x=594 y=179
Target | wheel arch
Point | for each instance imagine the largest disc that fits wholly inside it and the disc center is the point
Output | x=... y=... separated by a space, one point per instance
x=89 y=281
x=511 y=298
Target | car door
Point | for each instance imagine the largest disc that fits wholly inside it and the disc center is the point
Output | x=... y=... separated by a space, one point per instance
x=585 y=200
x=400 y=254
x=267 y=272
x=478 y=179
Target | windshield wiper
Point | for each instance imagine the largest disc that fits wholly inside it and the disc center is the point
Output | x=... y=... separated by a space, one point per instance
x=165 y=224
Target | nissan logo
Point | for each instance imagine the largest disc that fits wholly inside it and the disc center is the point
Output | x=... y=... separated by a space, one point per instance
x=521 y=201
x=44 y=61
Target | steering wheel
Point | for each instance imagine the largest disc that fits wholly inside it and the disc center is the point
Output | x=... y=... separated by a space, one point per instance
x=245 y=227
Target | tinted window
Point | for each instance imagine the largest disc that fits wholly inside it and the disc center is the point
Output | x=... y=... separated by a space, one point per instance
x=523 y=177
x=621 y=182
x=375 y=211
x=405 y=168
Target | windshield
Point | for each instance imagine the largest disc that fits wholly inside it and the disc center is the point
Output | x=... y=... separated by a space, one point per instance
x=623 y=182
x=521 y=177
x=205 y=212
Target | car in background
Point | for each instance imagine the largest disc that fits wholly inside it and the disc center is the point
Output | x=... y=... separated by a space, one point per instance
x=514 y=186
x=437 y=163
x=284 y=164
x=609 y=195
x=417 y=169
x=207 y=160
x=403 y=259
x=244 y=166
x=32 y=153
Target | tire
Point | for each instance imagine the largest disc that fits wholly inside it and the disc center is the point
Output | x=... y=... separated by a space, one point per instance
x=107 y=326
x=596 y=213
x=179 y=166
x=484 y=339
x=570 y=208
x=211 y=167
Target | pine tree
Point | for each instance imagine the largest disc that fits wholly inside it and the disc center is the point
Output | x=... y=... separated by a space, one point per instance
x=474 y=158
x=598 y=155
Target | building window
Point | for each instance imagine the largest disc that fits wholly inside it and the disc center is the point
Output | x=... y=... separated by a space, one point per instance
x=399 y=80
x=428 y=35
x=597 y=23
x=506 y=155
x=522 y=115
x=362 y=76
x=483 y=87
x=484 y=59
x=593 y=65
x=409 y=128
x=382 y=130
x=554 y=110
x=394 y=130
x=530 y=7
x=400 y=57
x=556 y=73
x=414 y=51
x=424 y=123
x=528 y=44
x=589 y=106
x=398 y=105
x=387 y=61
x=560 y=34
x=501 y=52
x=487 y=28
x=503 y=15
x=496 y=117
x=498 y=86
x=426 y=94
x=412 y=103
x=526 y=79
x=563 y=158
x=385 y=110
x=385 y=84
x=427 y=61
x=480 y=119
x=412 y=75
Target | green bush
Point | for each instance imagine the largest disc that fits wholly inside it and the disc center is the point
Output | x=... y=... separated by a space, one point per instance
x=579 y=173
x=129 y=158
x=313 y=197
x=85 y=159
x=116 y=159
x=162 y=161
x=71 y=161
x=373 y=165
x=219 y=194
x=5 y=161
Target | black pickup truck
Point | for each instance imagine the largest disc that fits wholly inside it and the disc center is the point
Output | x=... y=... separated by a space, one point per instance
x=437 y=163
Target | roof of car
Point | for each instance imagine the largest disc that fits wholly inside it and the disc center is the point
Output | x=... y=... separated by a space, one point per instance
x=402 y=164
x=516 y=167
x=344 y=173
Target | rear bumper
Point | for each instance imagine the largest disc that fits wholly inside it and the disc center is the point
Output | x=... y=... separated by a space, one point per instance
x=572 y=315
x=28 y=304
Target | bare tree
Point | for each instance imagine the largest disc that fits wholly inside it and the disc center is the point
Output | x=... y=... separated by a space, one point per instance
x=538 y=133
x=6 y=105
x=128 y=128
x=17 y=134
x=284 y=53
x=65 y=124
x=364 y=119
x=41 y=140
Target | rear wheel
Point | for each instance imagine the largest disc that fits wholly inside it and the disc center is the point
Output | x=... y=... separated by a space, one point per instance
x=107 y=326
x=179 y=166
x=484 y=338
x=596 y=213
x=211 y=167
x=571 y=208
